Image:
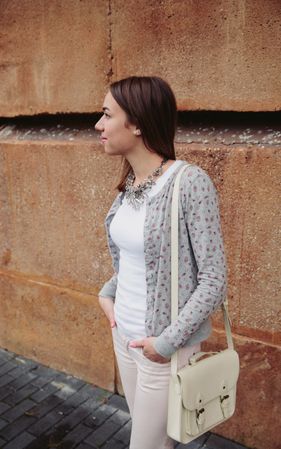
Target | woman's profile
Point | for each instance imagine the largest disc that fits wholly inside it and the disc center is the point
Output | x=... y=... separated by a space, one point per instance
x=139 y=123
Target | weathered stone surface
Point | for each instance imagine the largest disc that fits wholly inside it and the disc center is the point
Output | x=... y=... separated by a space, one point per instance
x=59 y=327
x=53 y=57
x=55 y=198
x=256 y=422
x=216 y=55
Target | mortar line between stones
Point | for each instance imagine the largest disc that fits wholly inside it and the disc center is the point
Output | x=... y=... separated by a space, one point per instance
x=25 y=278
x=109 y=74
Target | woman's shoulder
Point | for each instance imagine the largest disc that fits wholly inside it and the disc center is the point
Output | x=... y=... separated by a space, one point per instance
x=195 y=173
x=197 y=184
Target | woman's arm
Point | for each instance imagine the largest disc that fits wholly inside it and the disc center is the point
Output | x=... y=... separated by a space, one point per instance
x=202 y=217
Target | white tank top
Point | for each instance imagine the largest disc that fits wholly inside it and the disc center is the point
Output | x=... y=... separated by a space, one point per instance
x=126 y=230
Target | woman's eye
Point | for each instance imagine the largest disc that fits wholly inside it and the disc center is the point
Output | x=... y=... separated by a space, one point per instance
x=106 y=115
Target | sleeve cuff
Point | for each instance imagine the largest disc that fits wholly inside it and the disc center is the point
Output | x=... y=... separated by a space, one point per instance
x=163 y=347
x=107 y=291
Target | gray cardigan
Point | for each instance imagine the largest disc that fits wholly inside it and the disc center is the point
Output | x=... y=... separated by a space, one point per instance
x=202 y=260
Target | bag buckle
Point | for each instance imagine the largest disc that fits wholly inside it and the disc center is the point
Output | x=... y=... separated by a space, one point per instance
x=200 y=418
x=225 y=403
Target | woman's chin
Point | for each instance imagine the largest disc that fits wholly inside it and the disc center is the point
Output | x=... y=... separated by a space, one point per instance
x=112 y=152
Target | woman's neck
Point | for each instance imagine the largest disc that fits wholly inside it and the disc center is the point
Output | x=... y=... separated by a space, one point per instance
x=145 y=166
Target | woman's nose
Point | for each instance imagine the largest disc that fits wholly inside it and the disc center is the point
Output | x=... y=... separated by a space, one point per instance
x=99 y=125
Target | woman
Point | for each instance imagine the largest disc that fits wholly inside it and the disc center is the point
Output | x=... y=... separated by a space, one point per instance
x=139 y=123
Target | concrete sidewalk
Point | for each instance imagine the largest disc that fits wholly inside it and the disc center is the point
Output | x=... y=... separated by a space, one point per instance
x=41 y=408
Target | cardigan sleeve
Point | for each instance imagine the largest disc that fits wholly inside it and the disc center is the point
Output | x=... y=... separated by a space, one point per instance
x=201 y=210
x=109 y=288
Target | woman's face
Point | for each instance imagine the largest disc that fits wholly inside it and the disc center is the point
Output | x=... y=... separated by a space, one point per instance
x=117 y=139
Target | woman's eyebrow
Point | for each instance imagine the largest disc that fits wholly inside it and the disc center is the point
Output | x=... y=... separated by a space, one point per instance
x=105 y=108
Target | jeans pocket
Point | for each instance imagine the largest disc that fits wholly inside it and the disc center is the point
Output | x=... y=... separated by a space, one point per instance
x=152 y=361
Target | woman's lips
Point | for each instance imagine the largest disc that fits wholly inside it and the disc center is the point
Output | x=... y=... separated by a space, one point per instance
x=103 y=139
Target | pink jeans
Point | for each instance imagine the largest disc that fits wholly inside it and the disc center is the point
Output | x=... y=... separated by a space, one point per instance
x=145 y=384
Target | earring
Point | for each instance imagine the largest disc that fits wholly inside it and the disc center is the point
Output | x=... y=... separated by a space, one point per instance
x=137 y=132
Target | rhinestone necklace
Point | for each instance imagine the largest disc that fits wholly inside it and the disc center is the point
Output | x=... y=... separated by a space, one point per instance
x=136 y=194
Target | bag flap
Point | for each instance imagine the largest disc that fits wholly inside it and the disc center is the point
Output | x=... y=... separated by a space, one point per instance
x=208 y=378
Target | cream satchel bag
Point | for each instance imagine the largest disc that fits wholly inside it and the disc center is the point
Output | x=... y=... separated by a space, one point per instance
x=203 y=393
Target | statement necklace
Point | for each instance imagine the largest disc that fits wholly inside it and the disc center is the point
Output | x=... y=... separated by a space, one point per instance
x=136 y=195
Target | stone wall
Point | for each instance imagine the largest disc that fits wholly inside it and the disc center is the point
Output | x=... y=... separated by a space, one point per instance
x=218 y=55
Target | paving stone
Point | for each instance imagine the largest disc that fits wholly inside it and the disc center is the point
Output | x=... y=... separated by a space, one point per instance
x=103 y=433
x=110 y=427
x=113 y=444
x=44 y=392
x=40 y=381
x=5 y=391
x=87 y=392
x=3 y=423
x=85 y=446
x=46 y=371
x=21 y=380
x=13 y=413
x=7 y=366
x=218 y=442
x=100 y=395
x=43 y=382
x=50 y=419
x=198 y=443
x=76 y=436
x=20 y=372
x=20 y=369
x=45 y=406
x=42 y=442
x=3 y=407
x=101 y=414
x=20 y=442
x=56 y=434
x=25 y=362
x=43 y=375
x=6 y=379
x=19 y=395
x=13 y=429
x=77 y=415
x=123 y=435
x=119 y=402
x=67 y=386
x=120 y=417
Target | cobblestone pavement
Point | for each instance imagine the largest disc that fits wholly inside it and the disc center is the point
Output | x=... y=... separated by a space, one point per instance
x=42 y=408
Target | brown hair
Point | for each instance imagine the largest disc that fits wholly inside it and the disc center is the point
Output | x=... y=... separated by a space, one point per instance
x=150 y=104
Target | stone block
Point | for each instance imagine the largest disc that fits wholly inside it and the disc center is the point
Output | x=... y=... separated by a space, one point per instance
x=216 y=55
x=54 y=200
x=59 y=327
x=54 y=56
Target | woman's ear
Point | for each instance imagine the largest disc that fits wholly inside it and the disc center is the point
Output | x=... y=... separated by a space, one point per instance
x=137 y=132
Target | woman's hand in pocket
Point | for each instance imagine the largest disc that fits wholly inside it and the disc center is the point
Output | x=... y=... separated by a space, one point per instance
x=107 y=306
x=148 y=349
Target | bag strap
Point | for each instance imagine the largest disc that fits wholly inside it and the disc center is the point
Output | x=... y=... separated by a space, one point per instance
x=174 y=270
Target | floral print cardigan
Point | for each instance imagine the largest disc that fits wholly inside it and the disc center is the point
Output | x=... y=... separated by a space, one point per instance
x=202 y=261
